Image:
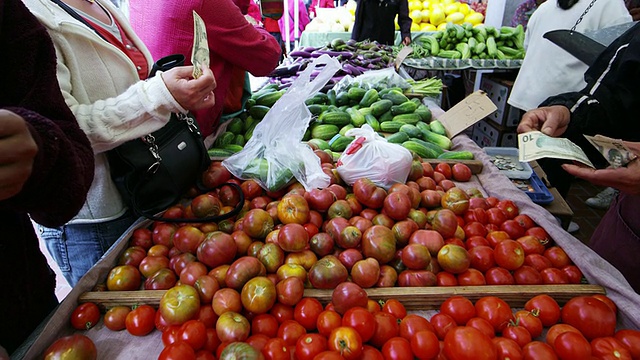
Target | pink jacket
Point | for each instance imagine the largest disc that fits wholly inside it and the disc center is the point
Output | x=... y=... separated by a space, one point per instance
x=303 y=20
x=319 y=4
x=168 y=29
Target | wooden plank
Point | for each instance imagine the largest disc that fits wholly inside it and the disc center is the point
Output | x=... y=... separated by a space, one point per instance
x=413 y=298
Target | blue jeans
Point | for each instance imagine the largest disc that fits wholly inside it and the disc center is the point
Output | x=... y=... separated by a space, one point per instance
x=77 y=247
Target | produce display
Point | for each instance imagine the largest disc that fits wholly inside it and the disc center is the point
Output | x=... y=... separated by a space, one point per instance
x=381 y=103
x=432 y=15
x=465 y=41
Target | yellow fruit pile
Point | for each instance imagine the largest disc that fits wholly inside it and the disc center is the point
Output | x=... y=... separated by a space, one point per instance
x=432 y=15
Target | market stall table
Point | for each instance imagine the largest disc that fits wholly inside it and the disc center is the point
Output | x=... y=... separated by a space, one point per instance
x=318 y=39
x=122 y=345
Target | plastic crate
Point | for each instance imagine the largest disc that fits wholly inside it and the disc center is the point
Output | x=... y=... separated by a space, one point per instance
x=512 y=155
x=535 y=189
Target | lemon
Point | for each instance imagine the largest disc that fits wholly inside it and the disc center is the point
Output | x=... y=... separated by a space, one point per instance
x=426 y=4
x=416 y=16
x=425 y=15
x=456 y=18
x=451 y=8
x=474 y=18
x=415 y=5
x=464 y=8
x=415 y=27
x=447 y=2
x=427 y=27
x=395 y=23
x=442 y=26
x=437 y=16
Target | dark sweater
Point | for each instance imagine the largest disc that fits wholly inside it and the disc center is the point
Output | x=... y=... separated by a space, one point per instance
x=62 y=171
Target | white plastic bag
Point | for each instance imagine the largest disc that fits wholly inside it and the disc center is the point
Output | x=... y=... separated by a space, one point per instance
x=275 y=153
x=371 y=156
x=374 y=79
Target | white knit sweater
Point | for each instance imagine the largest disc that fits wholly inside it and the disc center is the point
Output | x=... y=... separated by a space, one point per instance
x=101 y=86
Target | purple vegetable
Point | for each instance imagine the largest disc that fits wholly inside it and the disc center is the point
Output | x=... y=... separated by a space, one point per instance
x=344 y=54
x=300 y=53
x=310 y=49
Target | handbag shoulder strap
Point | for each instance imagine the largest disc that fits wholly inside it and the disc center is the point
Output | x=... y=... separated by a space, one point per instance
x=77 y=16
x=583 y=14
x=216 y=218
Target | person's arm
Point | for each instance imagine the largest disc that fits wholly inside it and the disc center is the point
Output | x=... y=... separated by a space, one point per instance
x=404 y=21
x=62 y=169
x=235 y=40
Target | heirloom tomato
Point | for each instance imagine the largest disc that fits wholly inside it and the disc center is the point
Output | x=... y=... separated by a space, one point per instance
x=258 y=295
x=75 y=346
x=114 y=318
x=293 y=209
x=232 y=326
x=306 y=313
x=591 y=316
x=465 y=342
x=494 y=310
x=85 y=316
x=346 y=341
x=179 y=304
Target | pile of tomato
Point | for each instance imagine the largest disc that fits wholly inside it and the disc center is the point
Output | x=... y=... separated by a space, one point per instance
x=584 y=328
x=224 y=275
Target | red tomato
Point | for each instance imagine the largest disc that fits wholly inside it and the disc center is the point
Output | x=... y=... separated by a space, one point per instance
x=471 y=277
x=573 y=273
x=386 y=328
x=346 y=341
x=517 y=333
x=177 y=351
x=459 y=308
x=213 y=342
x=509 y=254
x=290 y=331
x=265 y=324
x=327 y=321
x=630 y=338
x=464 y=342
x=558 y=257
x=482 y=257
x=494 y=310
x=531 y=245
x=525 y=221
x=412 y=324
x=591 y=316
x=540 y=233
x=258 y=341
x=609 y=348
x=74 y=346
x=444 y=278
x=460 y=172
x=572 y=346
x=329 y=355
x=444 y=169
x=309 y=346
x=85 y=316
x=537 y=350
x=194 y=333
x=558 y=329
x=171 y=334
x=141 y=320
x=483 y=325
x=114 y=318
x=425 y=345
x=606 y=300
x=281 y=312
x=499 y=276
x=397 y=348
x=494 y=237
x=205 y=355
x=306 y=313
x=276 y=349
x=362 y=320
x=474 y=229
x=371 y=353
x=545 y=307
x=509 y=207
x=442 y=324
x=512 y=228
x=507 y=349
x=232 y=327
x=395 y=308
x=537 y=261
x=527 y=275
x=531 y=322
x=496 y=216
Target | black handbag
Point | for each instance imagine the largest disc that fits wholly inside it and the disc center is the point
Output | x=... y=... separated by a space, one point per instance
x=152 y=173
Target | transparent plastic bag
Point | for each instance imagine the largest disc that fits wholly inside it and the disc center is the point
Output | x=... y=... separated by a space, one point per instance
x=275 y=153
x=371 y=156
x=374 y=79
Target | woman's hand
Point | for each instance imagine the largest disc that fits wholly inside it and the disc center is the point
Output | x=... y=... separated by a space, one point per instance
x=190 y=93
x=17 y=152
x=406 y=41
x=551 y=120
x=625 y=179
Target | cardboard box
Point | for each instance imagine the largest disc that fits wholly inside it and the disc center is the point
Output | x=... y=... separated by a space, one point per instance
x=498 y=90
x=488 y=134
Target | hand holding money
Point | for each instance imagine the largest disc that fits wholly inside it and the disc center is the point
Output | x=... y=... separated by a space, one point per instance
x=535 y=145
x=615 y=151
x=200 y=50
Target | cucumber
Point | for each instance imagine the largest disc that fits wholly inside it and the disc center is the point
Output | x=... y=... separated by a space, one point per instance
x=339 y=118
x=410 y=130
x=398 y=138
x=408 y=118
x=356 y=93
x=357 y=119
x=440 y=140
x=395 y=96
x=407 y=107
x=456 y=155
x=339 y=143
x=421 y=150
x=391 y=126
x=258 y=111
x=437 y=127
x=319 y=143
x=372 y=121
x=369 y=98
x=324 y=131
x=380 y=107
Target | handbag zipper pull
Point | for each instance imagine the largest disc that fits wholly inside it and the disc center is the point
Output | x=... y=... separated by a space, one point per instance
x=153 y=149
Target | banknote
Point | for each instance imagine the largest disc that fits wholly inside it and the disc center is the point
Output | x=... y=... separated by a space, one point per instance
x=200 y=50
x=614 y=150
x=535 y=145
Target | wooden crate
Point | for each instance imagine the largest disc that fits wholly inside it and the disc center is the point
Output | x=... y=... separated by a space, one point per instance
x=413 y=298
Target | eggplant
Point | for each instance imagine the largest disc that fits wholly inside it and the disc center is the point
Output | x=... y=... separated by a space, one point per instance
x=285 y=70
x=300 y=53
